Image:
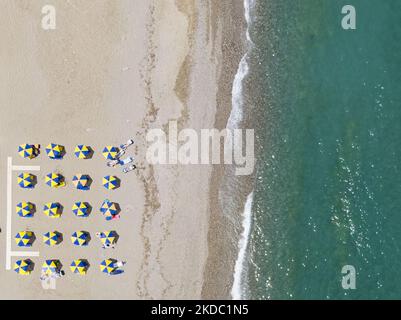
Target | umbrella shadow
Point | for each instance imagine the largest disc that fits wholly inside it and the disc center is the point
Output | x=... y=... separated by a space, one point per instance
x=36 y=150
x=33 y=210
x=59 y=237
x=31 y=266
x=32 y=239
x=91 y=153
x=118 y=182
x=62 y=153
x=90 y=180
x=60 y=209
x=116 y=236
x=59 y=267
x=85 y=261
x=88 y=237
x=90 y=208
x=62 y=180
x=118 y=208
x=34 y=181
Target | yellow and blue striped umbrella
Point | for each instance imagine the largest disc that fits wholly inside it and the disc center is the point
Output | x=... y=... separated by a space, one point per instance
x=24 y=238
x=55 y=180
x=55 y=151
x=83 y=152
x=24 y=267
x=111 y=182
x=80 y=266
x=108 y=237
x=28 y=151
x=109 y=209
x=51 y=266
x=52 y=238
x=52 y=209
x=81 y=181
x=80 y=238
x=81 y=209
x=110 y=152
x=25 y=209
x=26 y=180
x=108 y=266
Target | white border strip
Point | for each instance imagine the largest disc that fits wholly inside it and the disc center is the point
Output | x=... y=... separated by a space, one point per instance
x=24 y=253
x=25 y=168
x=9 y=252
x=9 y=203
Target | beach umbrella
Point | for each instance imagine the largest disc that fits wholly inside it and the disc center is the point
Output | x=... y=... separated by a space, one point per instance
x=79 y=266
x=81 y=209
x=80 y=238
x=108 y=237
x=54 y=180
x=111 y=182
x=28 y=151
x=109 y=209
x=51 y=266
x=24 y=209
x=24 y=238
x=82 y=152
x=81 y=181
x=52 y=238
x=24 y=267
x=110 y=152
x=108 y=266
x=55 y=151
x=26 y=180
x=52 y=209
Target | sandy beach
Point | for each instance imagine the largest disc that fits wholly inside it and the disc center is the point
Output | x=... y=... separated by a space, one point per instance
x=110 y=71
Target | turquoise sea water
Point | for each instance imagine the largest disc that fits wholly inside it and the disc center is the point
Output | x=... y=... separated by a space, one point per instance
x=328 y=187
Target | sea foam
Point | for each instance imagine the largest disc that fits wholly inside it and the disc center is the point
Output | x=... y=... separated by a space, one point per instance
x=236 y=116
x=237 y=291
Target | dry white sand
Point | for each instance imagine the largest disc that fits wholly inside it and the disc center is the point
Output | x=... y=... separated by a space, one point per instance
x=110 y=71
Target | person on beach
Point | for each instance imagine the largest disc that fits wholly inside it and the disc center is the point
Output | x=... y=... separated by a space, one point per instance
x=115 y=217
x=117 y=267
x=55 y=275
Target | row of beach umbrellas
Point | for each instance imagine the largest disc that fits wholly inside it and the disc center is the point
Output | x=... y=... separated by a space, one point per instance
x=57 y=151
x=53 y=266
x=55 y=180
x=109 y=209
x=78 y=238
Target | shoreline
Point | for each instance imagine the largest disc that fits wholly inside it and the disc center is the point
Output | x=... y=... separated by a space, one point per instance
x=224 y=230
